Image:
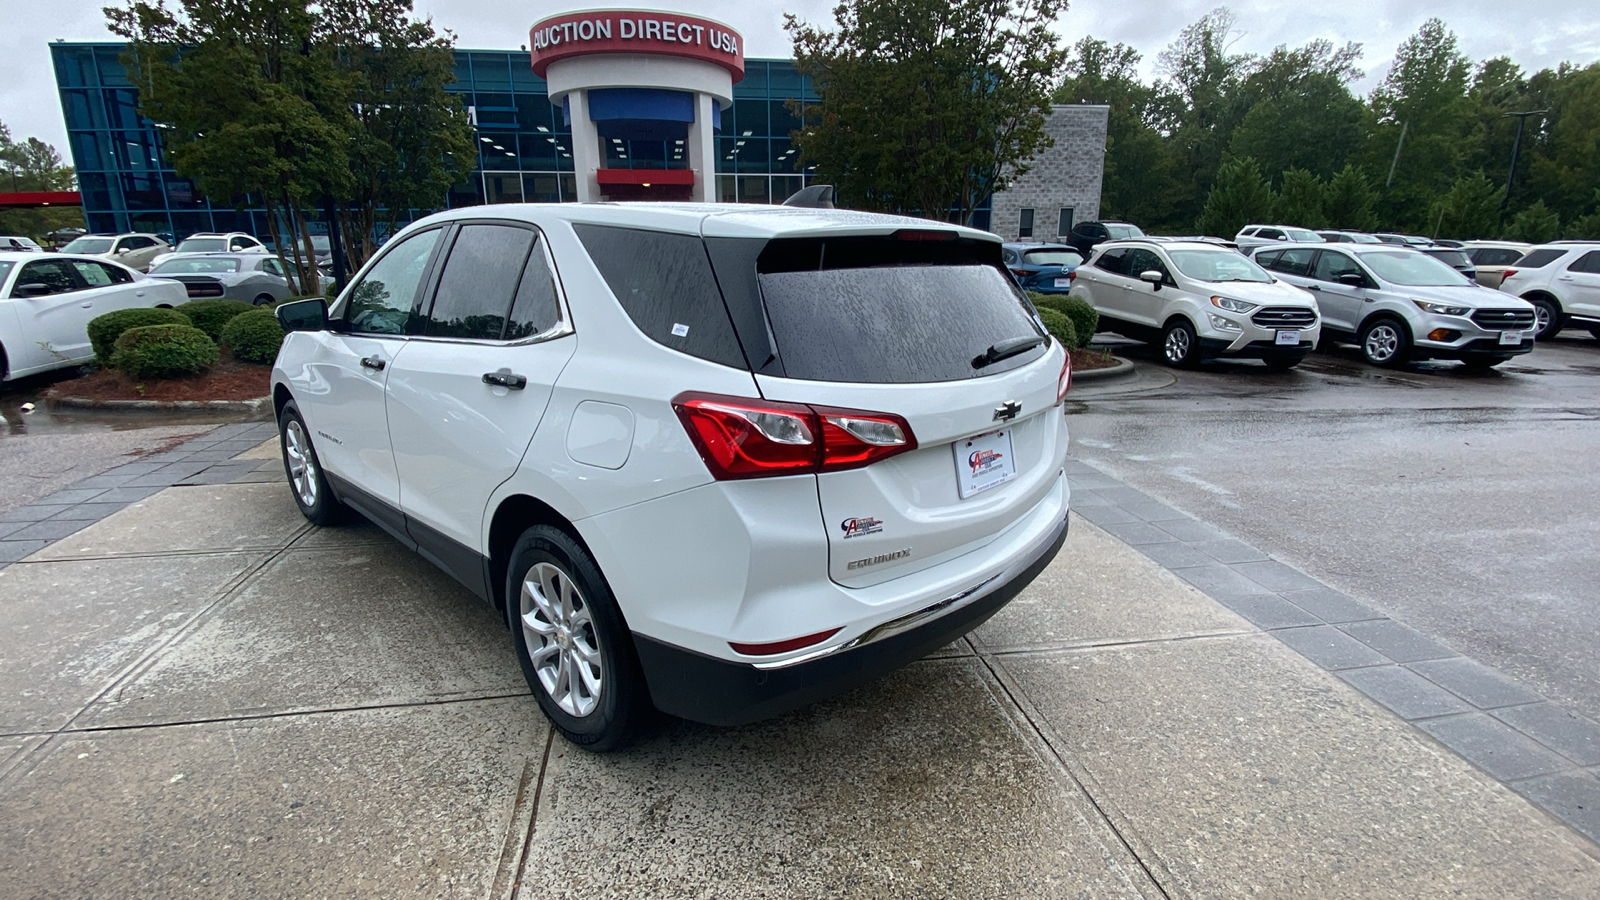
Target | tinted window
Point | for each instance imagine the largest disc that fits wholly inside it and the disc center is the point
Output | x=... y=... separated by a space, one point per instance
x=479 y=280
x=1538 y=259
x=895 y=324
x=1589 y=262
x=202 y=245
x=1411 y=268
x=1495 y=256
x=1123 y=231
x=1140 y=261
x=381 y=302
x=1025 y=223
x=52 y=273
x=1268 y=258
x=1331 y=265
x=536 y=309
x=1453 y=258
x=1272 y=233
x=1111 y=260
x=1295 y=262
x=272 y=267
x=664 y=283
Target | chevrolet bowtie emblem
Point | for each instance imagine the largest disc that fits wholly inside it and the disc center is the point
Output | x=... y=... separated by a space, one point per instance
x=1007 y=411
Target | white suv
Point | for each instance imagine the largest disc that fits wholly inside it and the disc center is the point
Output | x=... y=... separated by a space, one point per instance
x=725 y=460
x=1200 y=301
x=136 y=251
x=1562 y=281
x=1397 y=304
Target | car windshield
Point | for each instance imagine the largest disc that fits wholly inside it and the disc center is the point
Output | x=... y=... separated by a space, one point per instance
x=195 y=266
x=203 y=245
x=1302 y=235
x=1217 y=265
x=1122 y=232
x=1411 y=268
x=88 y=245
x=1060 y=257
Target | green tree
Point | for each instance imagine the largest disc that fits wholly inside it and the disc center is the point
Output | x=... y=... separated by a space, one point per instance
x=1424 y=99
x=33 y=165
x=1300 y=112
x=1301 y=199
x=1536 y=224
x=1350 y=202
x=1564 y=170
x=1468 y=210
x=1204 y=79
x=927 y=106
x=1240 y=196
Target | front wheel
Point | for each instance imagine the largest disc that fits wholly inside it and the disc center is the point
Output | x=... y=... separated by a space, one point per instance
x=570 y=638
x=1546 y=318
x=307 y=482
x=1179 y=346
x=1385 y=342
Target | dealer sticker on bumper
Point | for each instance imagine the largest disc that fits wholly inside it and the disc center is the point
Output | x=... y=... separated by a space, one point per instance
x=1511 y=337
x=1288 y=338
x=984 y=462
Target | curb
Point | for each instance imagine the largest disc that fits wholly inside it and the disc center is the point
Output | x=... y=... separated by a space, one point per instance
x=257 y=406
x=1121 y=369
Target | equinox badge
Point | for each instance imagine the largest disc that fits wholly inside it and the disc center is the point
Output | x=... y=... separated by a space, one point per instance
x=1007 y=411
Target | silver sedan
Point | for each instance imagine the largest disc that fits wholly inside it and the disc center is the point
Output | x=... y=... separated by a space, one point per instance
x=252 y=277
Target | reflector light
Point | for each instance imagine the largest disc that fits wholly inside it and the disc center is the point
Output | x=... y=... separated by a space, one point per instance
x=1064 y=380
x=911 y=234
x=748 y=438
x=783 y=646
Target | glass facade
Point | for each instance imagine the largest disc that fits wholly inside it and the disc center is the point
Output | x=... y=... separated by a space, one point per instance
x=524 y=143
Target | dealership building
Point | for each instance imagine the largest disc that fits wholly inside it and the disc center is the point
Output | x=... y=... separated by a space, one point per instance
x=606 y=105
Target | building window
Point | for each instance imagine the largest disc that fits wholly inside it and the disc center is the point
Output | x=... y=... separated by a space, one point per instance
x=1064 y=224
x=1025 y=224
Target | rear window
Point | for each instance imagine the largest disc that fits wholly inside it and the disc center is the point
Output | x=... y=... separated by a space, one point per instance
x=182 y=266
x=1538 y=259
x=1494 y=256
x=1052 y=258
x=1454 y=258
x=885 y=311
x=1123 y=232
x=203 y=245
x=1300 y=234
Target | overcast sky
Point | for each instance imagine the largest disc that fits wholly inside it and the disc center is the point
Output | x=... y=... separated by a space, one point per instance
x=1534 y=33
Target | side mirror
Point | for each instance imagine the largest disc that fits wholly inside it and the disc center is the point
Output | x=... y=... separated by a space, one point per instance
x=1352 y=279
x=304 y=315
x=31 y=289
x=122 y=250
x=1152 y=276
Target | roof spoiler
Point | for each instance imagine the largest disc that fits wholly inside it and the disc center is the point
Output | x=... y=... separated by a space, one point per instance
x=817 y=196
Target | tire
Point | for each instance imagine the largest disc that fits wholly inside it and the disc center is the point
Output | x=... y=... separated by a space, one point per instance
x=1179 y=346
x=307 y=482
x=263 y=299
x=1385 y=341
x=1546 y=318
x=575 y=649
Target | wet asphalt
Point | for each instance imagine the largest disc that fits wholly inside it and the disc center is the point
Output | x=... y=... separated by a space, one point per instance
x=1463 y=504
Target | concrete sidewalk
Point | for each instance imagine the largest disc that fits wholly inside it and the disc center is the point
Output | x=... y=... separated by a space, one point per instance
x=200 y=693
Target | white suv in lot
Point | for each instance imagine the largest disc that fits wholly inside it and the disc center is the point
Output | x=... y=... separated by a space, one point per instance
x=1199 y=301
x=1562 y=281
x=722 y=460
x=1397 y=304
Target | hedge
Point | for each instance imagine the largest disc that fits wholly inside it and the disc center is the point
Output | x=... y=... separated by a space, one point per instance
x=1057 y=323
x=104 y=330
x=163 y=351
x=210 y=315
x=253 y=337
x=1085 y=321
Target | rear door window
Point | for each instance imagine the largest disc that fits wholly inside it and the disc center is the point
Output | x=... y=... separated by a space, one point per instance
x=885 y=311
x=478 y=283
x=1538 y=259
x=1111 y=260
x=1589 y=262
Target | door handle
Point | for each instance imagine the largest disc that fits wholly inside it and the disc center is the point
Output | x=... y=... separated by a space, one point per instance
x=138 y=293
x=89 y=305
x=505 y=380
x=1566 y=278
x=1313 y=287
x=373 y=363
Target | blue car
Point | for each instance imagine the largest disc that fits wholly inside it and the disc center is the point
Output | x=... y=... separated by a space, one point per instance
x=1046 y=268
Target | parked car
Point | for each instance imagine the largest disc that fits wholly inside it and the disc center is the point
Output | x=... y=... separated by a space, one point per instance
x=1452 y=257
x=1407 y=240
x=1348 y=237
x=225 y=242
x=1085 y=236
x=1252 y=236
x=136 y=251
x=1046 y=268
x=725 y=460
x=47 y=300
x=252 y=277
x=1562 y=281
x=1199 y=301
x=19 y=244
x=1492 y=258
x=1397 y=304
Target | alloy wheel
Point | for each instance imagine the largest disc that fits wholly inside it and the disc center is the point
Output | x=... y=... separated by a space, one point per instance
x=561 y=639
x=1541 y=318
x=1177 y=345
x=1383 y=342
x=302 y=466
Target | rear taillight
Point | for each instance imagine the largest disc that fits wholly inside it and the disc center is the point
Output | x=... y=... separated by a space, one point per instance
x=1507 y=274
x=1064 y=380
x=740 y=437
x=1071 y=276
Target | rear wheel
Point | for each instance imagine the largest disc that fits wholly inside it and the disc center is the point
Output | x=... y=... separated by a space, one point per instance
x=569 y=635
x=307 y=482
x=1385 y=342
x=1179 y=346
x=263 y=299
x=1546 y=318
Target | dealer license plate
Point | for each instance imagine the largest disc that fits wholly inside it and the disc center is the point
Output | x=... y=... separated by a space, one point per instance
x=1511 y=337
x=1063 y=282
x=1288 y=338
x=984 y=462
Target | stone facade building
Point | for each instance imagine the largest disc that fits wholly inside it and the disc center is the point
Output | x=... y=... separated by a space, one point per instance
x=1062 y=185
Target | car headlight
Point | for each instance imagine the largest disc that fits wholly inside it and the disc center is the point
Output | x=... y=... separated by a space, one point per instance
x=1238 y=306
x=1221 y=324
x=1441 y=309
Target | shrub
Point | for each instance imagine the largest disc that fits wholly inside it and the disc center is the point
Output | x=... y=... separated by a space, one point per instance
x=163 y=351
x=1057 y=323
x=253 y=337
x=210 y=315
x=1085 y=321
x=104 y=330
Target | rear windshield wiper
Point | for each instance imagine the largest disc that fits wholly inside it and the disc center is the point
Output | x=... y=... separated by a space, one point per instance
x=1007 y=349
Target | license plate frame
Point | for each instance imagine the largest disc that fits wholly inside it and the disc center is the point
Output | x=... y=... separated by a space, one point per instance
x=984 y=462
x=1287 y=338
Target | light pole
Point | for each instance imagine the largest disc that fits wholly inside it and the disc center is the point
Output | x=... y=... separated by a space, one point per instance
x=1516 y=150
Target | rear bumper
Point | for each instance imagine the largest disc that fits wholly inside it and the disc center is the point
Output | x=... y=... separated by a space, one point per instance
x=722 y=692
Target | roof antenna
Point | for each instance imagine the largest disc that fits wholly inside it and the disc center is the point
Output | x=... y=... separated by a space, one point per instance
x=817 y=196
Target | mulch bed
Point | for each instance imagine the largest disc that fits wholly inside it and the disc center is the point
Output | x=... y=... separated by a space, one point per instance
x=229 y=379
x=1084 y=360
